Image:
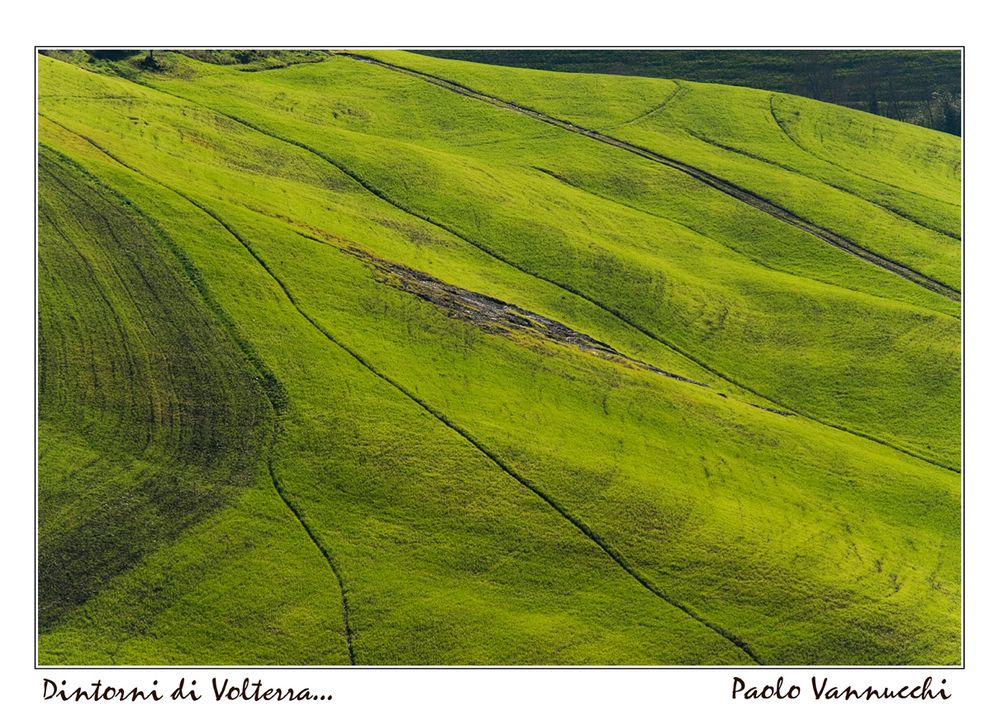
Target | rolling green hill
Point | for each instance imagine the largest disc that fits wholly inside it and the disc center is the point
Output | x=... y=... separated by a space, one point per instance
x=379 y=358
x=918 y=86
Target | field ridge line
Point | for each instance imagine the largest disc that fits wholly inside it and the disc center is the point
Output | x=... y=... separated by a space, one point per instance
x=675 y=94
x=745 y=256
x=279 y=488
x=835 y=187
x=782 y=125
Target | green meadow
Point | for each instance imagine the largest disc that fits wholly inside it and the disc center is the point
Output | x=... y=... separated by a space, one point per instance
x=917 y=86
x=377 y=358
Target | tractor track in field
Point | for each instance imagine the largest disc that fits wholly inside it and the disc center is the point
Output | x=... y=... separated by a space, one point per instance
x=276 y=409
x=880 y=204
x=782 y=125
x=279 y=488
x=580 y=525
x=378 y=193
x=752 y=259
x=680 y=89
x=737 y=192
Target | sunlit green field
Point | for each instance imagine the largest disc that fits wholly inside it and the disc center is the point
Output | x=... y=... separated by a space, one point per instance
x=289 y=413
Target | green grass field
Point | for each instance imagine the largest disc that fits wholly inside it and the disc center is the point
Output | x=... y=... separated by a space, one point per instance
x=388 y=359
x=917 y=86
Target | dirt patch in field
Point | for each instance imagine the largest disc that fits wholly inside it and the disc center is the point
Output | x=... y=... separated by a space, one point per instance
x=495 y=316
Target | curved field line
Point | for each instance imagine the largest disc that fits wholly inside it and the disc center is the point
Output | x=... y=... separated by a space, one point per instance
x=657 y=108
x=253 y=359
x=737 y=192
x=377 y=192
x=787 y=133
x=115 y=324
x=752 y=259
x=880 y=204
x=607 y=548
x=279 y=488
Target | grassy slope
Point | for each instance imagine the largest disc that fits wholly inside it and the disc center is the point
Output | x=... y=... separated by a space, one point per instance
x=462 y=566
x=446 y=558
x=697 y=296
x=912 y=85
x=715 y=127
x=152 y=428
